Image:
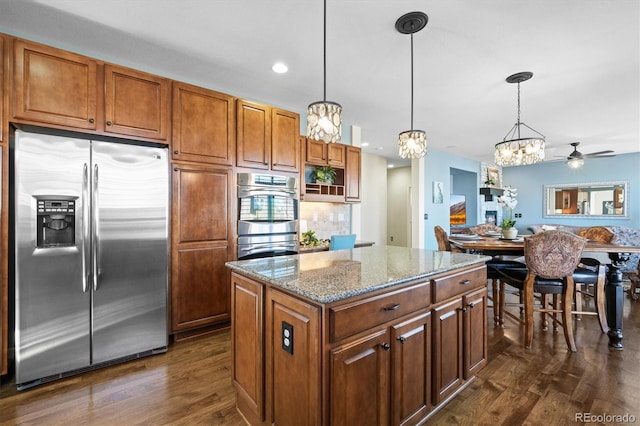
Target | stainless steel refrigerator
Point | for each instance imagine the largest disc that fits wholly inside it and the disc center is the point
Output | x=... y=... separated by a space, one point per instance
x=90 y=254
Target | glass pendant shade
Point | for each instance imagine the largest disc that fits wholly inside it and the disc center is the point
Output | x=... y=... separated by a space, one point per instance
x=515 y=150
x=520 y=152
x=324 y=121
x=412 y=144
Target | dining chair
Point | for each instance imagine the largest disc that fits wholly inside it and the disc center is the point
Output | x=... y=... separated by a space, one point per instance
x=551 y=258
x=483 y=228
x=341 y=242
x=634 y=277
x=442 y=238
x=589 y=278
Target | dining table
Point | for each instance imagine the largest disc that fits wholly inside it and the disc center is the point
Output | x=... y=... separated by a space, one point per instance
x=493 y=245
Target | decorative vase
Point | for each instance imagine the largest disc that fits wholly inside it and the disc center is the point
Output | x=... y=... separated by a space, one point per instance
x=510 y=233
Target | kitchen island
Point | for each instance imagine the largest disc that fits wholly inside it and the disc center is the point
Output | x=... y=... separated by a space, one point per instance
x=372 y=335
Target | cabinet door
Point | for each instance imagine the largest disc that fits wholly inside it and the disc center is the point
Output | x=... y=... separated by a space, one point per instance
x=447 y=350
x=352 y=174
x=136 y=103
x=316 y=152
x=360 y=381
x=247 y=347
x=285 y=148
x=336 y=155
x=200 y=237
x=475 y=331
x=2 y=118
x=411 y=370
x=4 y=251
x=54 y=86
x=293 y=361
x=253 y=141
x=203 y=125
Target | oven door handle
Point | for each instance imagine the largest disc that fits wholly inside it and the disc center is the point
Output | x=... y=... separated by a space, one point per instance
x=265 y=249
x=244 y=192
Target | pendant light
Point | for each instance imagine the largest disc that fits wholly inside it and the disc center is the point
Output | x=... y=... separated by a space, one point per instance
x=412 y=143
x=519 y=151
x=324 y=118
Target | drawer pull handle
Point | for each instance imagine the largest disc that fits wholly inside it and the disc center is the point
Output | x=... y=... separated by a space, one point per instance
x=401 y=339
x=109 y=123
x=392 y=307
x=91 y=120
x=386 y=346
x=465 y=282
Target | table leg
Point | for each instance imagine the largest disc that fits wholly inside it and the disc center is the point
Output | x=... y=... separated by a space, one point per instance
x=614 y=299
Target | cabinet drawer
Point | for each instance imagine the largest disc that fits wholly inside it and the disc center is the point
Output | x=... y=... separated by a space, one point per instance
x=349 y=319
x=458 y=283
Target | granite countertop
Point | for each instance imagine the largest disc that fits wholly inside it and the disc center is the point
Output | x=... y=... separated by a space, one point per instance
x=324 y=246
x=330 y=276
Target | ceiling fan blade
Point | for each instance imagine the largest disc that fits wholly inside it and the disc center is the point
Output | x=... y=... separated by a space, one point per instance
x=599 y=153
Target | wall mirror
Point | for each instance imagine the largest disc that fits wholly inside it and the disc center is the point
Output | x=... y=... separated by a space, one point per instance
x=595 y=200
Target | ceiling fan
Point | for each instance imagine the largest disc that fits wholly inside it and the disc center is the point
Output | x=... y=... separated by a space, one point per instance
x=575 y=160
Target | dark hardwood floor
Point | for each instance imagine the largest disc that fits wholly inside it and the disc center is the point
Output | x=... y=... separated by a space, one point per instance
x=191 y=385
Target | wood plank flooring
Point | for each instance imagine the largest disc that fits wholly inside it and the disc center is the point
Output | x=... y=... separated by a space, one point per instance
x=191 y=384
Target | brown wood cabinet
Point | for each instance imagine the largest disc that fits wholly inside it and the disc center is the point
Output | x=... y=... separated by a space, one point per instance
x=2 y=90
x=68 y=90
x=322 y=154
x=136 y=103
x=4 y=265
x=352 y=174
x=203 y=125
x=267 y=138
x=392 y=354
x=54 y=86
x=201 y=231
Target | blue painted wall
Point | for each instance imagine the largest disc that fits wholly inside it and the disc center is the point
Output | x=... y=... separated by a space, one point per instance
x=530 y=181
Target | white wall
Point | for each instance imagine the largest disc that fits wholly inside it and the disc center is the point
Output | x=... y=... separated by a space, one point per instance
x=398 y=207
x=373 y=208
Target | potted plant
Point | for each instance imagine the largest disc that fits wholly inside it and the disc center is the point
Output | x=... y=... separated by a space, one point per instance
x=489 y=182
x=324 y=174
x=508 y=200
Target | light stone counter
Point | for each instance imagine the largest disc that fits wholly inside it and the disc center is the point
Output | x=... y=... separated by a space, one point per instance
x=330 y=276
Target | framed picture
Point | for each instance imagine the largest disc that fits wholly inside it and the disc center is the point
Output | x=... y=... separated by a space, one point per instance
x=491 y=216
x=457 y=210
x=493 y=174
x=438 y=196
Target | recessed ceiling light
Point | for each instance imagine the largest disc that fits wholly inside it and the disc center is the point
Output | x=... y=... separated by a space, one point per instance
x=279 y=68
x=364 y=144
x=379 y=148
x=390 y=166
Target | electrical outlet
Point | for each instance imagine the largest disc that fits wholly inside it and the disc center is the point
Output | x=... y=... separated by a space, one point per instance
x=391 y=238
x=287 y=337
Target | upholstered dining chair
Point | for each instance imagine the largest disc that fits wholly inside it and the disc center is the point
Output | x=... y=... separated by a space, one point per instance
x=341 y=242
x=551 y=258
x=483 y=228
x=634 y=277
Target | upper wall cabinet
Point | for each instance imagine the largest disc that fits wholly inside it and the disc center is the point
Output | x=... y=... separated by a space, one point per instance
x=136 y=103
x=54 y=86
x=267 y=138
x=353 y=171
x=64 y=89
x=320 y=153
x=203 y=125
x=2 y=117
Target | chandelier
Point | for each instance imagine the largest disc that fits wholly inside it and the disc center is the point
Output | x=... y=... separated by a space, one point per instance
x=412 y=143
x=324 y=118
x=515 y=150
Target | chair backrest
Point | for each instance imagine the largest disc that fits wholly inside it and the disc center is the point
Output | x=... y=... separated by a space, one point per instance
x=442 y=238
x=483 y=228
x=339 y=242
x=553 y=254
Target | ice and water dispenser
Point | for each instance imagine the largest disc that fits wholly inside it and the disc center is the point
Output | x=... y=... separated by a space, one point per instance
x=56 y=222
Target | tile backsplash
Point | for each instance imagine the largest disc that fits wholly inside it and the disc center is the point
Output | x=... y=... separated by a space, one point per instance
x=325 y=218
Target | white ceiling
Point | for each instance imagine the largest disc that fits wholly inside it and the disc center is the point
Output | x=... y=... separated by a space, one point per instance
x=585 y=56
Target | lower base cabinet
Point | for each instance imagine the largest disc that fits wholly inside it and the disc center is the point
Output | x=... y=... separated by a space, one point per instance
x=390 y=362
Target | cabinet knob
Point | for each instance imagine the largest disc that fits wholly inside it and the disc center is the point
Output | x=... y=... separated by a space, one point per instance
x=176 y=152
x=91 y=120
x=109 y=123
x=401 y=339
x=175 y=169
x=465 y=282
x=386 y=346
x=463 y=309
x=471 y=305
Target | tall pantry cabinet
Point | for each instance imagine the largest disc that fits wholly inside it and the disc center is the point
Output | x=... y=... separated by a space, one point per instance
x=202 y=223
x=4 y=239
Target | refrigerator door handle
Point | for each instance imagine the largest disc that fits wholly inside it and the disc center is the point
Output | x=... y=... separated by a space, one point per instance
x=95 y=240
x=85 y=226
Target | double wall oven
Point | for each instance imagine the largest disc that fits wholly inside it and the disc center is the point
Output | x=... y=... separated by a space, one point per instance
x=267 y=215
